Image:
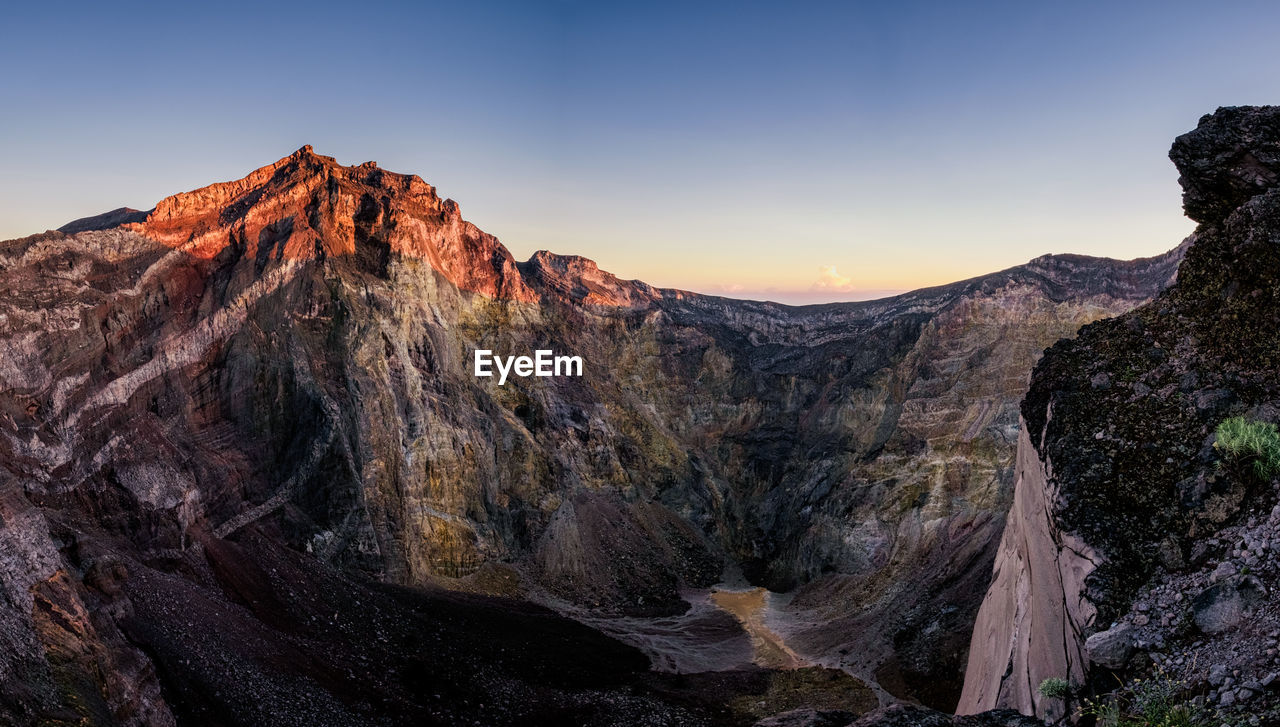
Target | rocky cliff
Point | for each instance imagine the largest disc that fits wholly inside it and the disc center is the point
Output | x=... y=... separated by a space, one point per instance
x=1130 y=530
x=237 y=427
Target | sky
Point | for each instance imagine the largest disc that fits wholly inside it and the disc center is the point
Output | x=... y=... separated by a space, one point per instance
x=799 y=152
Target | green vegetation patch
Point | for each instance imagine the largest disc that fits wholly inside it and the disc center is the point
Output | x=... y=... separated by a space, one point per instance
x=1055 y=688
x=1159 y=701
x=1251 y=443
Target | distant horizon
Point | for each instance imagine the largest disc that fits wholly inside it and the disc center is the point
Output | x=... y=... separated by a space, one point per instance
x=767 y=295
x=829 y=152
x=747 y=295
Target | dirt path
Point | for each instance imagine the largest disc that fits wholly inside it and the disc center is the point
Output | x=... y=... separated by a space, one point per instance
x=749 y=608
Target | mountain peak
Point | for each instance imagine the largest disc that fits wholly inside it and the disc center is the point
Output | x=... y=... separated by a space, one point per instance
x=287 y=193
x=580 y=279
x=308 y=206
x=104 y=221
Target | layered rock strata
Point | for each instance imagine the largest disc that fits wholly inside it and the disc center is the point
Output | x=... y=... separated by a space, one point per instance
x=282 y=365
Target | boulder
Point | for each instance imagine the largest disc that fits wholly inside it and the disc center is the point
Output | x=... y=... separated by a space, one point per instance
x=1223 y=606
x=1224 y=570
x=1111 y=648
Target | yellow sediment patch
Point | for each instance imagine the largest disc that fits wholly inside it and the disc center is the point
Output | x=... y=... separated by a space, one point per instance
x=748 y=608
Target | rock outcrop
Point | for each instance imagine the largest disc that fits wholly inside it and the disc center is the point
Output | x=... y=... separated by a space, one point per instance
x=1031 y=622
x=1130 y=497
x=266 y=384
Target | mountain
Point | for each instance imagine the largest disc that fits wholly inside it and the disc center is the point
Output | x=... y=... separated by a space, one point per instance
x=1138 y=546
x=248 y=474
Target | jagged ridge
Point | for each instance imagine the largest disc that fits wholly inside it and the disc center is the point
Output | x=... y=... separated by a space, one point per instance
x=284 y=361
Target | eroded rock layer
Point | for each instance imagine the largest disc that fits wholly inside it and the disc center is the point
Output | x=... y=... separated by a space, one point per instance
x=278 y=370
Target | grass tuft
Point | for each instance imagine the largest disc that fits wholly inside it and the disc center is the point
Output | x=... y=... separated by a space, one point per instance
x=1055 y=688
x=1158 y=701
x=1251 y=441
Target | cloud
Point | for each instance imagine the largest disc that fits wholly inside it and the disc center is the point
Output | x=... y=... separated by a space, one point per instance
x=830 y=287
x=831 y=281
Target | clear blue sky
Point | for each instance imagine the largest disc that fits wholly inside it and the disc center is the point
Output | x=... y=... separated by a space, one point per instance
x=792 y=151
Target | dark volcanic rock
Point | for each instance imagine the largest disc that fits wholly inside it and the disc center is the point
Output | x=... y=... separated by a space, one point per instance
x=806 y=717
x=1121 y=481
x=266 y=384
x=1111 y=648
x=1232 y=155
x=905 y=715
x=1224 y=605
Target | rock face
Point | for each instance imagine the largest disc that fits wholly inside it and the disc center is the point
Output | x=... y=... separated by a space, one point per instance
x=1130 y=496
x=1030 y=633
x=879 y=485
x=266 y=384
